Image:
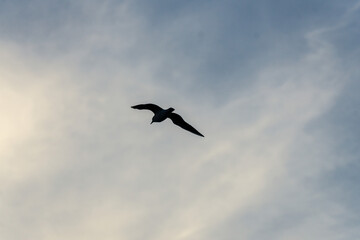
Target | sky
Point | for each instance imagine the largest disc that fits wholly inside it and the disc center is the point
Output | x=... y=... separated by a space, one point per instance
x=273 y=86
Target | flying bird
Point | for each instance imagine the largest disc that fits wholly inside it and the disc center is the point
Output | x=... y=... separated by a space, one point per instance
x=162 y=114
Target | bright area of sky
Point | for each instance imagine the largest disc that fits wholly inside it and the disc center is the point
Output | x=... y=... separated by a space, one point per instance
x=273 y=86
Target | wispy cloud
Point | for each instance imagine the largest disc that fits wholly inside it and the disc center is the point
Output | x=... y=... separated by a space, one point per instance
x=78 y=163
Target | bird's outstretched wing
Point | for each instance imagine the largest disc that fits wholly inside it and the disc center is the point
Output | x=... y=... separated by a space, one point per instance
x=149 y=106
x=178 y=120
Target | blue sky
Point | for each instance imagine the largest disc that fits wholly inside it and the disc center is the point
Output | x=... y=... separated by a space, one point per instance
x=273 y=86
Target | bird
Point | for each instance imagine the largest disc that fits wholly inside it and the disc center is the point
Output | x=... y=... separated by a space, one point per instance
x=162 y=114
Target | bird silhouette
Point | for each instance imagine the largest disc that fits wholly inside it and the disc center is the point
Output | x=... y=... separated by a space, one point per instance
x=162 y=114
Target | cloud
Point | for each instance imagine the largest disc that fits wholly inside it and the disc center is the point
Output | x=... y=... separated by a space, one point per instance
x=78 y=163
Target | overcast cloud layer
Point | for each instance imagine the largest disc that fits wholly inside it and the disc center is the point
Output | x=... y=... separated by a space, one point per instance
x=273 y=86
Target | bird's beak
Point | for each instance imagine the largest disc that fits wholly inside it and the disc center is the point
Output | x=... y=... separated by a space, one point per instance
x=151 y=122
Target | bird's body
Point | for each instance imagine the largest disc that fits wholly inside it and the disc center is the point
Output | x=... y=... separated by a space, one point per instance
x=162 y=114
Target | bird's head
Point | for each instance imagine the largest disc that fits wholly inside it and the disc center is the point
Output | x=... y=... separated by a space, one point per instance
x=171 y=109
